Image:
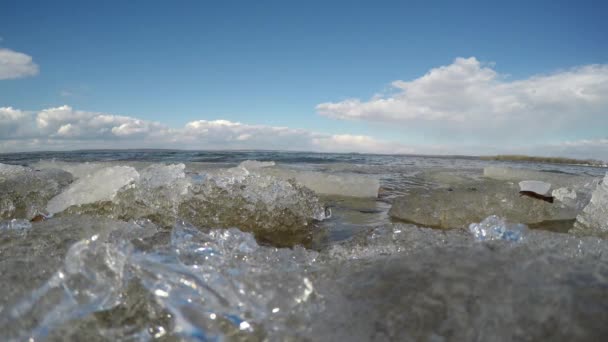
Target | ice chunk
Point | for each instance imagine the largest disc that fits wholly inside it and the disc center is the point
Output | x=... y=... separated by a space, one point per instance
x=582 y=185
x=461 y=206
x=102 y=185
x=594 y=217
x=25 y=191
x=224 y=284
x=568 y=197
x=90 y=280
x=223 y=198
x=155 y=194
x=541 y=188
x=160 y=175
x=497 y=228
x=252 y=202
x=49 y=279
x=342 y=184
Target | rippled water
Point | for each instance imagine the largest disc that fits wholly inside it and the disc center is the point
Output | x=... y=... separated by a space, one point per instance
x=184 y=245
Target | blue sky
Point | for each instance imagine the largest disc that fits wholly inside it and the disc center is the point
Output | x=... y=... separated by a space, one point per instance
x=274 y=63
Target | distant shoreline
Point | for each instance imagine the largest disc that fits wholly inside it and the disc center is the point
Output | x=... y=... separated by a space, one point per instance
x=546 y=160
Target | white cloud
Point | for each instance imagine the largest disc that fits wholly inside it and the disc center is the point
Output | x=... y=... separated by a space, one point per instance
x=65 y=122
x=15 y=64
x=14 y=123
x=66 y=128
x=470 y=98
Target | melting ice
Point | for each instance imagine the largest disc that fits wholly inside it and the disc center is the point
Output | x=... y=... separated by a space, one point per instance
x=186 y=251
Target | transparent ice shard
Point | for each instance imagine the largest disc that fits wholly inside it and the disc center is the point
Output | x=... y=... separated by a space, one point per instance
x=496 y=228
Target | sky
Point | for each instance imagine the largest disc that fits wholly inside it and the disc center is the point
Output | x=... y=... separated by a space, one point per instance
x=420 y=77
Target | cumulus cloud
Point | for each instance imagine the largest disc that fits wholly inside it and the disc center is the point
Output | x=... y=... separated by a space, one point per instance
x=468 y=97
x=14 y=123
x=66 y=128
x=15 y=64
x=66 y=123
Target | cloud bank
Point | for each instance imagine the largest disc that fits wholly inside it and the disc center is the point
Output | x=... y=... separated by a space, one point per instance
x=468 y=97
x=66 y=128
x=15 y=64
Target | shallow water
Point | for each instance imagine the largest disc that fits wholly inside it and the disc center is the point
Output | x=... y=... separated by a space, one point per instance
x=180 y=245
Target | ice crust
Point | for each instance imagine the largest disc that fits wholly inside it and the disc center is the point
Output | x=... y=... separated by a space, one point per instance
x=581 y=185
x=117 y=280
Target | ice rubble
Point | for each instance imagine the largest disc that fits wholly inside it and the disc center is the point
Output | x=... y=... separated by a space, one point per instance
x=25 y=191
x=224 y=198
x=252 y=202
x=213 y=284
x=594 y=217
x=463 y=205
x=582 y=186
x=396 y=282
x=154 y=192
